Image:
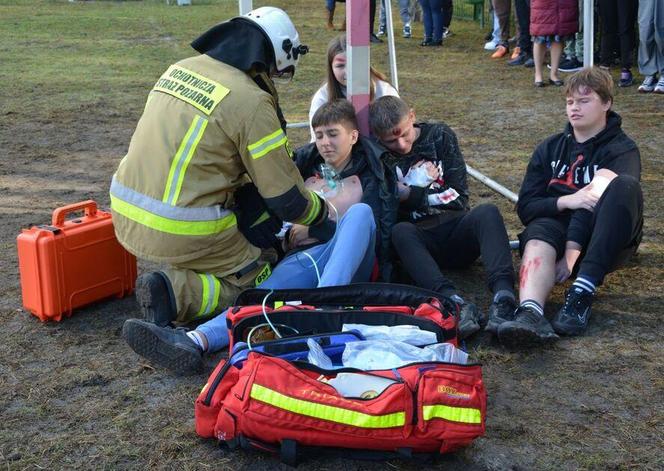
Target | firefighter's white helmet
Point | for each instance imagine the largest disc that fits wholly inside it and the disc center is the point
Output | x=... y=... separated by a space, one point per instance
x=283 y=36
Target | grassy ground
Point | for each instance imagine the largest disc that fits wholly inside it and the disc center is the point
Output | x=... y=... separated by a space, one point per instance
x=72 y=395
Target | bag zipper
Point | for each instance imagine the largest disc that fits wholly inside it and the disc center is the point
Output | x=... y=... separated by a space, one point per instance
x=213 y=386
x=439 y=331
x=309 y=366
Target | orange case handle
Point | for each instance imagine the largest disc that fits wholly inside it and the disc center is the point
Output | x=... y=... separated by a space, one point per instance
x=59 y=214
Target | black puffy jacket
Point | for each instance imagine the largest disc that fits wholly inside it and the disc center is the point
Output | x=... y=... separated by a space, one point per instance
x=378 y=187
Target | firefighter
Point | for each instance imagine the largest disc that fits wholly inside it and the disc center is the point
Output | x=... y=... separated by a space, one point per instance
x=182 y=196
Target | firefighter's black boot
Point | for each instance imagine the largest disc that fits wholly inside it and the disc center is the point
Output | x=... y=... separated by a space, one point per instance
x=155 y=298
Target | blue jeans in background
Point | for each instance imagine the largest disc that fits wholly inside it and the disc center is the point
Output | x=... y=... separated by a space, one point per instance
x=432 y=17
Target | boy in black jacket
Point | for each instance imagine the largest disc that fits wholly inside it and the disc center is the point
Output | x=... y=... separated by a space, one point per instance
x=582 y=206
x=437 y=228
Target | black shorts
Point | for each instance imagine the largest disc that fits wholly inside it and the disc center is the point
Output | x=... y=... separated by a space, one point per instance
x=553 y=231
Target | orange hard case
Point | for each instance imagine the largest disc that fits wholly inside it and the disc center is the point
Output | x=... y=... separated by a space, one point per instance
x=73 y=262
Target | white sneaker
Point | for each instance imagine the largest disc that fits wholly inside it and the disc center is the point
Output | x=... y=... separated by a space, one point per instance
x=659 y=88
x=648 y=84
x=490 y=46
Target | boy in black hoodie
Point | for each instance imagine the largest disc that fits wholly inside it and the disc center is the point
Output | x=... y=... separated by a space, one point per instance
x=582 y=206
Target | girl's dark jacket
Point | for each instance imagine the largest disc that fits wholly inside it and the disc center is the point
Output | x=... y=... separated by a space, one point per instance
x=561 y=166
x=378 y=188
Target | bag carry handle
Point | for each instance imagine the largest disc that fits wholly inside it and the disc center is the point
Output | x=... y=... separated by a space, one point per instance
x=59 y=214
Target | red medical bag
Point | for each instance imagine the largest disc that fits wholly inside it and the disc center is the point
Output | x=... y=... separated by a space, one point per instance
x=72 y=262
x=270 y=403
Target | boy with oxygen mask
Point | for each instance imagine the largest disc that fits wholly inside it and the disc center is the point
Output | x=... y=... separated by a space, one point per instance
x=346 y=170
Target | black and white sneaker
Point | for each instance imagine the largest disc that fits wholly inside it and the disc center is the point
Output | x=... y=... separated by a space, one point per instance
x=164 y=346
x=570 y=65
x=407 y=33
x=573 y=317
x=499 y=312
x=528 y=329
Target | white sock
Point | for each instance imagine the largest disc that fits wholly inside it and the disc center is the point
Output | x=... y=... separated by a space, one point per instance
x=534 y=305
x=196 y=338
x=584 y=284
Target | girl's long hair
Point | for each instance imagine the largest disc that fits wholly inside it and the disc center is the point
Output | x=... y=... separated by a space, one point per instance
x=334 y=88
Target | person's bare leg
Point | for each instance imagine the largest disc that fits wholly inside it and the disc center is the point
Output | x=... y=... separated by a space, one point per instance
x=537 y=276
x=537 y=272
x=556 y=54
x=538 y=58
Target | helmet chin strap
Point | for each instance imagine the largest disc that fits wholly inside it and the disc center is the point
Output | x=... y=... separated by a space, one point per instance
x=266 y=84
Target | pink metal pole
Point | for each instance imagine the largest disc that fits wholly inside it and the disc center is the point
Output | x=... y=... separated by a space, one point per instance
x=357 y=55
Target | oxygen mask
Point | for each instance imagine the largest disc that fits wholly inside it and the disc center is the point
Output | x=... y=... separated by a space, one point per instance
x=333 y=182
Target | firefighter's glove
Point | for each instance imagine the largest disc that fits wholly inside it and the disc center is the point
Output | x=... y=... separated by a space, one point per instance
x=254 y=220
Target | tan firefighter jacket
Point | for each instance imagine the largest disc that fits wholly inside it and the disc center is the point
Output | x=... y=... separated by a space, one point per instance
x=206 y=128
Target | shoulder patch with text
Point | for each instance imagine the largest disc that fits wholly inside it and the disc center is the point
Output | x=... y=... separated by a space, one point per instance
x=190 y=87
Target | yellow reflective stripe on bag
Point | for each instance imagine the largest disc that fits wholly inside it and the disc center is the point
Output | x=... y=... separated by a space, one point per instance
x=181 y=160
x=466 y=415
x=210 y=295
x=200 y=92
x=323 y=411
x=266 y=144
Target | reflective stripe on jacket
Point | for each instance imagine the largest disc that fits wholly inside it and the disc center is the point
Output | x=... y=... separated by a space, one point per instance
x=206 y=129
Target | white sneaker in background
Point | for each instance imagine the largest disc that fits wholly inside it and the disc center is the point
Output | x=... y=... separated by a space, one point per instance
x=659 y=88
x=490 y=46
x=648 y=84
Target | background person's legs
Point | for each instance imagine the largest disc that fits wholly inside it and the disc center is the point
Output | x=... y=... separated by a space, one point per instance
x=627 y=12
x=556 y=54
x=502 y=9
x=648 y=47
x=427 y=21
x=447 y=11
x=522 y=8
x=329 y=6
x=432 y=17
x=539 y=49
x=608 y=12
